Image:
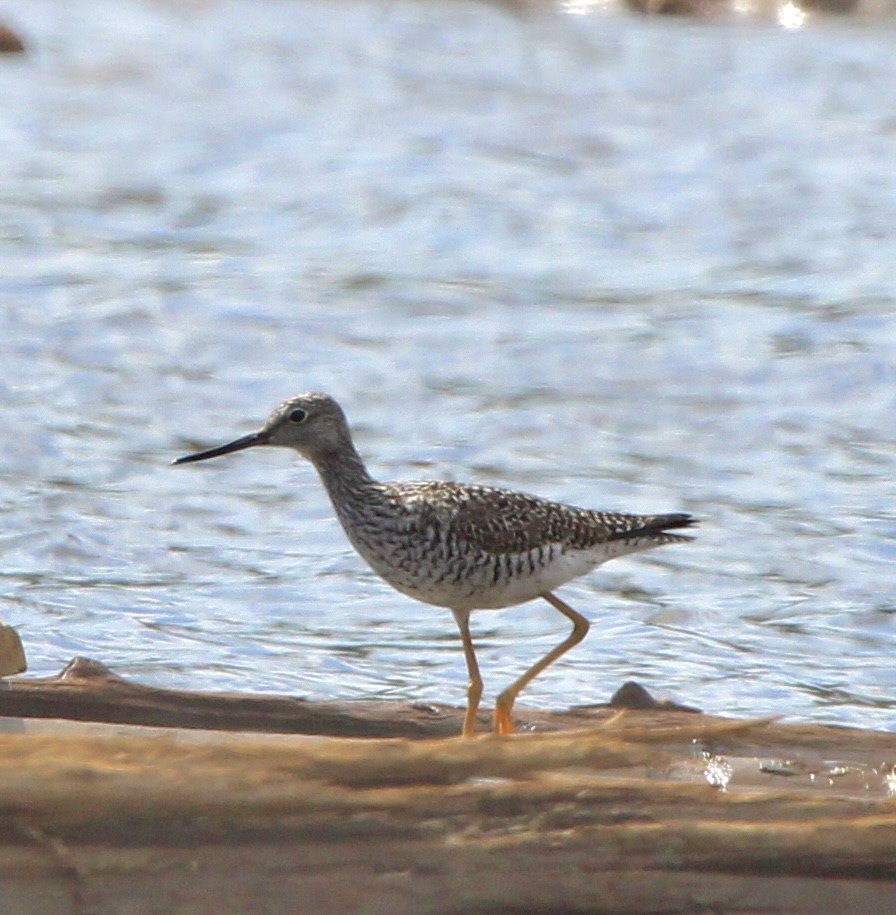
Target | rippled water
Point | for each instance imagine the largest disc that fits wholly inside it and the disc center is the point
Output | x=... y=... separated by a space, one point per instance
x=625 y=263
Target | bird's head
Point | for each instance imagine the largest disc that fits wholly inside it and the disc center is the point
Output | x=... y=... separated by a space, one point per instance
x=311 y=423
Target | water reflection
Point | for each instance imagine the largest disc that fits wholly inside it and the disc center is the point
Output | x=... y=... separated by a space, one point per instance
x=652 y=272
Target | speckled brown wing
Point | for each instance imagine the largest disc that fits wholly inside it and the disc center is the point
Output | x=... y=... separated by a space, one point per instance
x=500 y=521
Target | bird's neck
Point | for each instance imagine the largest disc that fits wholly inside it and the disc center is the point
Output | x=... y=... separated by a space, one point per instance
x=343 y=474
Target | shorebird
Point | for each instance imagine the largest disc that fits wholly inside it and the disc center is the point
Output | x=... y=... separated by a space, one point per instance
x=461 y=546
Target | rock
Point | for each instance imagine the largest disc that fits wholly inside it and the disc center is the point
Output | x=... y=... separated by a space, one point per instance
x=10 y=43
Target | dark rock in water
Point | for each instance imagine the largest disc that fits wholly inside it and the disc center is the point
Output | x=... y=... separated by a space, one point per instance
x=632 y=695
x=10 y=43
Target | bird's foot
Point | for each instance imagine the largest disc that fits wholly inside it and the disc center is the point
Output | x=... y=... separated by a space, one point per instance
x=503 y=723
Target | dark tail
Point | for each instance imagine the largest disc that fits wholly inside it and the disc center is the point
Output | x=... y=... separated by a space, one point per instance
x=654 y=525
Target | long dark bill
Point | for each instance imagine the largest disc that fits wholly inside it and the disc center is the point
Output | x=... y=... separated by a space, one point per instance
x=247 y=441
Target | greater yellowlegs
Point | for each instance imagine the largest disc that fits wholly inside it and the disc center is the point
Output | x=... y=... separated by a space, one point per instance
x=464 y=547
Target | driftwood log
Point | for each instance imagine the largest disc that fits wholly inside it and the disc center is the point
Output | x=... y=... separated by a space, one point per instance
x=86 y=690
x=592 y=810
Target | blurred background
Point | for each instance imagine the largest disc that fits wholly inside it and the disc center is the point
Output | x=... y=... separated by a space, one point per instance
x=628 y=261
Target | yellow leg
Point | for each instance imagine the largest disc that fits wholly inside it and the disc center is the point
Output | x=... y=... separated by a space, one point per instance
x=474 y=686
x=580 y=626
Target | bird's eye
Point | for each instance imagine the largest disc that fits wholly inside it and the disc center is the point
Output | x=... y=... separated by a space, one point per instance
x=298 y=416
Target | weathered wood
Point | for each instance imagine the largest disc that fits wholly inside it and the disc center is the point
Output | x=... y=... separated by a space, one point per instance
x=86 y=690
x=436 y=826
x=597 y=810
